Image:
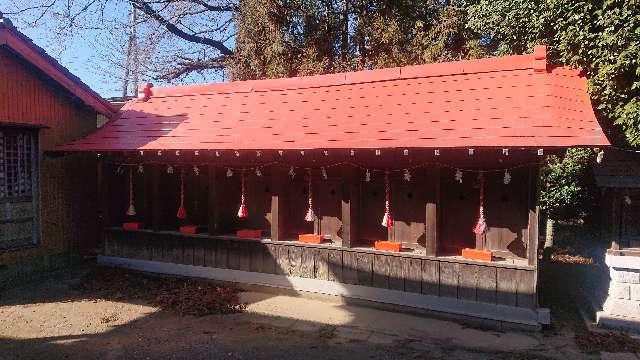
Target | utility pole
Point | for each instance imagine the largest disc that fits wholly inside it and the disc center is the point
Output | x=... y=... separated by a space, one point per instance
x=130 y=71
x=134 y=56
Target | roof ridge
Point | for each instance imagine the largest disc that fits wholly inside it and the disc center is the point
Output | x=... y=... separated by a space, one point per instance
x=460 y=67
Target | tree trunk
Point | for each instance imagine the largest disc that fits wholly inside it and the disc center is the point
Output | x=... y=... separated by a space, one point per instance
x=550 y=229
x=345 y=32
x=360 y=36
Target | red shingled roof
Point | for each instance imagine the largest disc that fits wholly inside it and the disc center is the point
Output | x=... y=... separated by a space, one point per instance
x=513 y=101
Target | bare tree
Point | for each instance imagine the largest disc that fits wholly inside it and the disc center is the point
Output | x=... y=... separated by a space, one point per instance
x=162 y=39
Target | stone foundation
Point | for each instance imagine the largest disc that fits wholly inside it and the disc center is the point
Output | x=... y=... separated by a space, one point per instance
x=621 y=310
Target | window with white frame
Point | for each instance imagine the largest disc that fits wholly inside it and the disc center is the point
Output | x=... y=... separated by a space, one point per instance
x=18 y=192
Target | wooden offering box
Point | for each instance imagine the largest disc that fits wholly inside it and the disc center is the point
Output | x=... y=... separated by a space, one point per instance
x=249 y=234
x=310 y=238
x=388 y=246
x=132 y=226
x=192 y=229
x=475 y=254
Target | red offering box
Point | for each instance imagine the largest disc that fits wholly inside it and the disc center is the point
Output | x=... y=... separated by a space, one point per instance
x=474 y=254
x=388 y=246
x=249 y=234
x=310 y=238
x=191 y=229
x=131 y=226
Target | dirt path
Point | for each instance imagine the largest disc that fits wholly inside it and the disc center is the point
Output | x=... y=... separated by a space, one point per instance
x=51 y=320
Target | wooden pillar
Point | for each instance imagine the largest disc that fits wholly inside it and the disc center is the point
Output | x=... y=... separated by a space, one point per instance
x=615 y=218
x=481 y=241
x=104 y=203
x=350 y=202
x=532 y=247
x=147 y=194
x=278 y=200
x=103 y=195
x=213 y=218
x=431 y=210
x=534 y=212
x=203 y=193
x=605 y=215
x=155 y=198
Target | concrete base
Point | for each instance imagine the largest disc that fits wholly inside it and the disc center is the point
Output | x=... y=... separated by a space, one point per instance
x=621 y=310
x=500 y=313
x=621 y=323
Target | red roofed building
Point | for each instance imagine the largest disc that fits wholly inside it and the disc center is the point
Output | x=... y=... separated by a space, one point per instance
x=493 y=102
x=413 y=185
x=45 y=206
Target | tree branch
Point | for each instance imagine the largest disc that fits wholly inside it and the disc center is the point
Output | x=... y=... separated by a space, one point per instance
x=185 y=66
x=218 y=8
x=172 y=28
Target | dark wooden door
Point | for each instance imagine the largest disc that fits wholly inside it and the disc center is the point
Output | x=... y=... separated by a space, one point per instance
x=372 y=210
x=630 y=230
x=258 y=202
x=408 y=200
x=328 y=207
x=296 y=207
x=459 y=204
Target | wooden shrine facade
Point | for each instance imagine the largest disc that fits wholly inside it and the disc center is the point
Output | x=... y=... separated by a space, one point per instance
x=497 y=291
x=431 y=160
x=434 y=214
x=618 y=176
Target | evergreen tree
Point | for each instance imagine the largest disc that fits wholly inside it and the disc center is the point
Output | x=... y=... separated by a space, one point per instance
x=304 y=37
x=603 y=38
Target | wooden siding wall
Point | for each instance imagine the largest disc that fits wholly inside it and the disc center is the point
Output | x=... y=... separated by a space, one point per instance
x=68 y=196
x=488 y=283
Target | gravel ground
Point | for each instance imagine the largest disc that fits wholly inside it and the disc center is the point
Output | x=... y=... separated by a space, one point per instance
x=52 y=320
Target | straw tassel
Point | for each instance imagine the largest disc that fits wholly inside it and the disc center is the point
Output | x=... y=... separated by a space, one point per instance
x=242 y=212
x=481 y=226
x=387 y=220
x=310 y=216
x=182 y=212
x=131 y=211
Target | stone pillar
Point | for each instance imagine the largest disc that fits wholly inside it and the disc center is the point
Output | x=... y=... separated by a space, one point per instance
x=621 y=310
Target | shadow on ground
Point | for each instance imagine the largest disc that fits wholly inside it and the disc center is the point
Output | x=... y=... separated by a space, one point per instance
x=54 y=319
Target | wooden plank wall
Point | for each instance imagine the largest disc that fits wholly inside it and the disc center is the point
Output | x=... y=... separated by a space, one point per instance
x=474 y=282
x=67 y=199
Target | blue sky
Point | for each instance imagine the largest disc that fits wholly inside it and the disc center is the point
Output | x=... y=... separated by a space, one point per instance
x=89 y=51
x=78 y=53
x=79 y=56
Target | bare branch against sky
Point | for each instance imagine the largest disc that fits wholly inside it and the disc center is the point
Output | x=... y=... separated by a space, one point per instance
x=175 y=40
